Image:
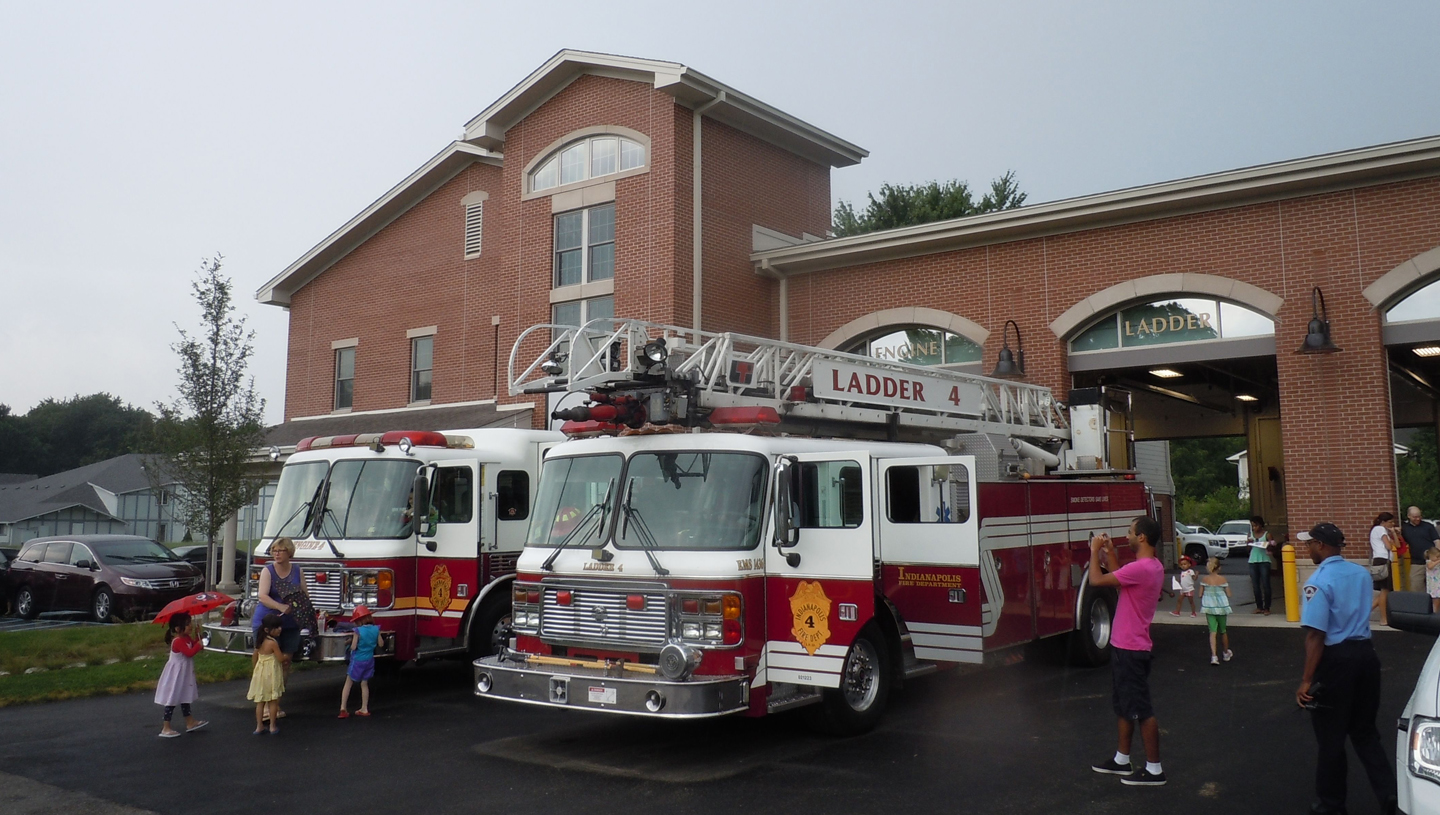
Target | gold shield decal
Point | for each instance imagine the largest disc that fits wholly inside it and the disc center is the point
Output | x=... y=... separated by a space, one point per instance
x=440 y=589
x=811 y=610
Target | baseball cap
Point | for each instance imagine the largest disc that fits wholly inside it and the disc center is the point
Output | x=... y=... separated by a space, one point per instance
x=1324 y=532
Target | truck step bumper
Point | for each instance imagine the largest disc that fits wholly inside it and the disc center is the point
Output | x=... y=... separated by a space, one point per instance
x=329 y=647
x=580 y=688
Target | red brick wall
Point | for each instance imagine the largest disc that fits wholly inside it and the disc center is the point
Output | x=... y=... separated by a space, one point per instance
x=747 y=181
x=1335 y=415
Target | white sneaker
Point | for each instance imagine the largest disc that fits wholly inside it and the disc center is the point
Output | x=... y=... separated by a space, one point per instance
x=1214 y=660
x=1229 y=655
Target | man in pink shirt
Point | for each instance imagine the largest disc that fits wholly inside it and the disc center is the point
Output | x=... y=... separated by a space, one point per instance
x=1139 y=583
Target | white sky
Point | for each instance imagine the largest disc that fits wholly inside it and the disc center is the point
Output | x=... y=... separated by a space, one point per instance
x=137 y=138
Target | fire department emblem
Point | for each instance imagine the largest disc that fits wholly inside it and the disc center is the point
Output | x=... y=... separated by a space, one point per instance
x=440 y=589
x=811 y=611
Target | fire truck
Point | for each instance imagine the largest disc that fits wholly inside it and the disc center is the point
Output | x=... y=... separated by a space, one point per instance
x=422 y=527
x=739 y=525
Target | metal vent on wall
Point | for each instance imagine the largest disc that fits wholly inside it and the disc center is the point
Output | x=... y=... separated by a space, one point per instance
x=474 y=218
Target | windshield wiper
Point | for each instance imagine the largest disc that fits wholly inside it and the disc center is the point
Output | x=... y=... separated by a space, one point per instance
x=647 y=541
x=320 y=523
x=601 y=509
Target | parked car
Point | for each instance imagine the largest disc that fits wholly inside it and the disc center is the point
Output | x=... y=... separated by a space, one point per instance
x=1199 y=547
x=195 y=555
x=108 y=576
x=1417 y=744
x=1236 y=535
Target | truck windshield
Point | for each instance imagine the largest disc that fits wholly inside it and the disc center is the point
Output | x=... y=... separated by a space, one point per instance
x=569 y=489
x=297 y=486
x=691 y=500
x=368 y=499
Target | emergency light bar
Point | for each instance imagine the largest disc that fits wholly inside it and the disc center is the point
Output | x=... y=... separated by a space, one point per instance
x=417 y=438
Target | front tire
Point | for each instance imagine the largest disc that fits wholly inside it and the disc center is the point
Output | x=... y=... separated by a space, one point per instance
x=1090 y=643
x=1197 y=553
x=102 y=605
x=487 y=634
x=25 y=605
x=858 y=704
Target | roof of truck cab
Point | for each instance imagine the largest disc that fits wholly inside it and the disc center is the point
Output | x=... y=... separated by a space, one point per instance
x=739 y=443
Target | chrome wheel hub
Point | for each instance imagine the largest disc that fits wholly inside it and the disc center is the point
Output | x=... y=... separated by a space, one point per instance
x=860 y=680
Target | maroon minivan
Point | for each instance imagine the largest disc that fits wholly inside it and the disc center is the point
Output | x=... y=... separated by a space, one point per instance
x=124 y=576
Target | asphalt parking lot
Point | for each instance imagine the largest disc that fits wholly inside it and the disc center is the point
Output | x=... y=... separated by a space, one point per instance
x=1015 y=738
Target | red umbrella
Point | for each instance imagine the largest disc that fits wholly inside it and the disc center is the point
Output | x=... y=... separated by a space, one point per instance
x=192 y=605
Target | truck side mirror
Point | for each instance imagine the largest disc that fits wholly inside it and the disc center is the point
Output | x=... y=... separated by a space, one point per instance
x=420 y=499
x=786 y=532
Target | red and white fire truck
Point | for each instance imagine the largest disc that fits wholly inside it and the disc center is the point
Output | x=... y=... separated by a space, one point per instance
x=861 y=523
x=422 y=527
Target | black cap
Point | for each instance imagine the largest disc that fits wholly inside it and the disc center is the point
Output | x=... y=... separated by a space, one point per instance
x=1324 y=532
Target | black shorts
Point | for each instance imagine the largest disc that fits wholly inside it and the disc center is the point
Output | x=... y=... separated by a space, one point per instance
x=1130 y=684
x=289 y=641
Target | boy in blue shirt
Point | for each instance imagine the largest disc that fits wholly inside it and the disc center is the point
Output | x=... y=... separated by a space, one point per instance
x=362 y=660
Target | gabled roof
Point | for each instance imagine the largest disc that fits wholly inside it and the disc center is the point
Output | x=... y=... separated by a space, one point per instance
x=92 y=486
x=1348 y=169
x=689 y=87
x=444 y=166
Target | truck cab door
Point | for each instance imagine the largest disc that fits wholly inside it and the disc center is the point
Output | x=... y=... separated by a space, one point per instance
x=820 y=584
x=930 y=553
x=446 y=569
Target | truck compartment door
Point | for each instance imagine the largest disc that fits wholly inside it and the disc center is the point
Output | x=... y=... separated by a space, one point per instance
x=815 y=607
x=930 y=553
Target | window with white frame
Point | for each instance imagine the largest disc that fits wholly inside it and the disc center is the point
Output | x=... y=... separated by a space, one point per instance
x=344 y=379
x=585 y=245
x=580 y=312
x=594 y=157
x=421 y=362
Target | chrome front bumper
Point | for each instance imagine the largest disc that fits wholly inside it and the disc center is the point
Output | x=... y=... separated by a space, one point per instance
x=240 y=639
x=510 y=677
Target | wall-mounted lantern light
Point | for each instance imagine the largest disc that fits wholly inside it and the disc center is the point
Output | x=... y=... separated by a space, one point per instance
x=1011 y=364
x=1317 y=334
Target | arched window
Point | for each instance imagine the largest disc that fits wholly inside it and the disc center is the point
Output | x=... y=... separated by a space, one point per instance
x=1172 y=320
x=592 y=157
x=1421 y=304
x=918 y=345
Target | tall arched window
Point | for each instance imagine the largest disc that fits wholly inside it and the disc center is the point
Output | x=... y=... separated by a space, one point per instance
x=592 y=157
x=1421 y=304
x=1172 y=320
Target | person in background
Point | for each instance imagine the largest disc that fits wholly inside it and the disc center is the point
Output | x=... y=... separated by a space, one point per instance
x=1432 y=577
x=1184 y=586
x=362 y=661
x=1341 y=680
x=1382 y=552
x=279 y=580
x=267 y=677
x=177 y=684
x=1422 y=537
x=1215 y=602
x=1139 y=583
x=1260 y=564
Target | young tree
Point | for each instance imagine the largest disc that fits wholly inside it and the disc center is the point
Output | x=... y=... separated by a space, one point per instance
x=900 y=205
x=206 y=435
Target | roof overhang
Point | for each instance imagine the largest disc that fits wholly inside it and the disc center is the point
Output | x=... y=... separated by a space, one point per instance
x=444 y=166
x=689 y=87
x=1400 y=161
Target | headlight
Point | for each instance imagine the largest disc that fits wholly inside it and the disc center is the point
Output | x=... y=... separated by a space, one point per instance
x=139 y=584
x=1425 y=748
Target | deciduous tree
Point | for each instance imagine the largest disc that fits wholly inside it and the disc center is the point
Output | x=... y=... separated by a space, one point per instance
x=900 y=205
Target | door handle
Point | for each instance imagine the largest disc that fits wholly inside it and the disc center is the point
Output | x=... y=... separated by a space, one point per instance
x=61 y=576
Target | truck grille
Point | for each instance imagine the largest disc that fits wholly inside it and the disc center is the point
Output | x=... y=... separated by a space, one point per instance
x=601 y=617
x=324 y=595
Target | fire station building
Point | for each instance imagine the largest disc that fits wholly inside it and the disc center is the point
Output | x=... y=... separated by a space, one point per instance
x=1297 y=303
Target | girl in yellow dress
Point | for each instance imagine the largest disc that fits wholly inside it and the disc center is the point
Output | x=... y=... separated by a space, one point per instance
x=267 y=682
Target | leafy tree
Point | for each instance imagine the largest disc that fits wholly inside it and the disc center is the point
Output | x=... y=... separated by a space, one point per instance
x=63 y=434
x=205 y=436
x=1419 y=474
x=900 y=205
x=1210 y=510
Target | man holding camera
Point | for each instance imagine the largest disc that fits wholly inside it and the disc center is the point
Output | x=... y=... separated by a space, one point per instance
x=1341 y=683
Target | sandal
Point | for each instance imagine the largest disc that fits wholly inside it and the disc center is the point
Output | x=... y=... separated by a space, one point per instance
x=344 y=714
x=198 y=725
x=365 y=713
x=173 y=734
x=259 y=732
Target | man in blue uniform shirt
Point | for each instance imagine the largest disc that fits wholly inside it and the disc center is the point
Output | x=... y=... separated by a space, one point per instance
x=1342 y=672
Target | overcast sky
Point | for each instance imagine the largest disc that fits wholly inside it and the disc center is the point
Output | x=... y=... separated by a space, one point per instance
x=138 y=138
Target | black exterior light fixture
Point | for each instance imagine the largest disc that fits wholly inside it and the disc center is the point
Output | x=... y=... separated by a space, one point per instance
x=1317 y=334
x=1011 y=364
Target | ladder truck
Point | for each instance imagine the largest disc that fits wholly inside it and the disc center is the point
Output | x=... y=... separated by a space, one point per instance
x=739 y=525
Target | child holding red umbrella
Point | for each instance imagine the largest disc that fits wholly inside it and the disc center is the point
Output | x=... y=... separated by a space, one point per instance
x=177 y=684
x=362 y=660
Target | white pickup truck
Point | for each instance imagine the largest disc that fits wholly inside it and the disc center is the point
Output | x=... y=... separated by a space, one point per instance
x=1199 y=544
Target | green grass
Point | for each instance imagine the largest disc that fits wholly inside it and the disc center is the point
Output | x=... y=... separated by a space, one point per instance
x=53 y=649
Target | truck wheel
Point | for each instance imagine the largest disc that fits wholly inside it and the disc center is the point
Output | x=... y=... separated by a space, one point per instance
x=1197 y=553
x=487 y=632
x=857 y=705
x=1090 y=643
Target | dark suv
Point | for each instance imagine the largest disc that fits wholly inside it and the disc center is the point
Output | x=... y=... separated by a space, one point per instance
x=106 y=575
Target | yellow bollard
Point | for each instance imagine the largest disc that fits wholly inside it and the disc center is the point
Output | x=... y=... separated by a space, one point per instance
x=1292 y=582
x=1402 y=577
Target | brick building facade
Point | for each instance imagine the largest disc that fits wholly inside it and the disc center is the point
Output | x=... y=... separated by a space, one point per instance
x=476 y=246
